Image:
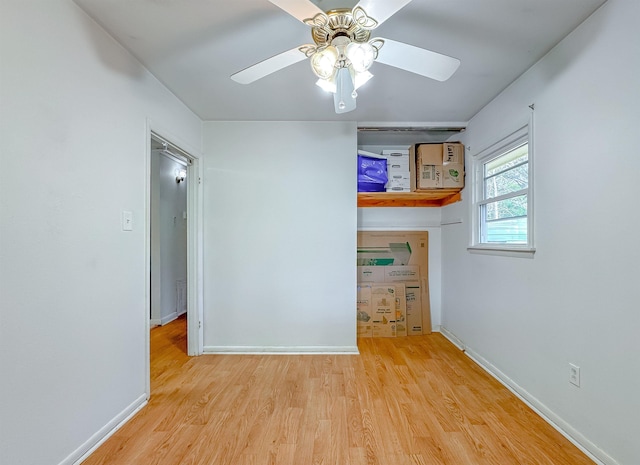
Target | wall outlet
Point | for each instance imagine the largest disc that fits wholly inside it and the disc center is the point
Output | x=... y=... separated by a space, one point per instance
x=574 y=374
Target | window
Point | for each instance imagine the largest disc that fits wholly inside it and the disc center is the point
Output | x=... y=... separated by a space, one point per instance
x=502 y=217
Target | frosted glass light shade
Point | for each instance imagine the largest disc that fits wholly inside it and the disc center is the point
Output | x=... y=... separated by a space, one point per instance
x=323 y=62
x=361 y=55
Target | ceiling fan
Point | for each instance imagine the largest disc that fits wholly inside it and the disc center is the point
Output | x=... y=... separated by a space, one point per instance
x=343 y=49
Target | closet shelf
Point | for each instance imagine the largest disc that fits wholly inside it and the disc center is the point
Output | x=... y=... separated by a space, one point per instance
x=430 y=198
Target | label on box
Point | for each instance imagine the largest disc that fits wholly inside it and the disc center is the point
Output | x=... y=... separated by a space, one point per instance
x=398 y=189
x=394 y=274
x=383 y=305
x=430 y=177
x=370 y=274
x=414 y=308
x=452 y=153
x=453 y=175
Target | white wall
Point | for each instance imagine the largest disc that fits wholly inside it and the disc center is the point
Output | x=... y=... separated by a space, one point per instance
x=413 y=219
x=168 y=240
x=280 y=236
x=74 y=108
x=577 y=300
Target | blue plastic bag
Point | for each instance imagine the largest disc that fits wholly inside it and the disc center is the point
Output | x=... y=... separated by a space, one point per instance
x=372 y=174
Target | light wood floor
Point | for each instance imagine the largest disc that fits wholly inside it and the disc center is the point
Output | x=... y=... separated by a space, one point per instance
x=403 y=401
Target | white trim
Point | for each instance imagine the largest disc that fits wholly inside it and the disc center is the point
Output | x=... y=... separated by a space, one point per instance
x=383 y=228
x=451 y=221
x=524 y=133
x=417 y=125
x=452 y=338
x=165 y=319
x=523 y=252
x=574 y=436
x=282 y=350
x=195 y=308
x=85 y=450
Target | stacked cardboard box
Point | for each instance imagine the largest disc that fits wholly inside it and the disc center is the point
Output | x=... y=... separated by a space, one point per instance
x=393 y=284
x=439 y=165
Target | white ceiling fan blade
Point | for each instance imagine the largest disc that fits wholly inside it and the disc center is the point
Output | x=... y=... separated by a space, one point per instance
x=268 y=66
x=381 y=10
x=417 y=60
x=300 y=9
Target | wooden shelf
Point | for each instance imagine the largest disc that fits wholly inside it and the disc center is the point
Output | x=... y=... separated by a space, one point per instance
x=431 y=198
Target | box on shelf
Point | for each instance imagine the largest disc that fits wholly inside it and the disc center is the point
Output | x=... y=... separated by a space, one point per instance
x=440 y=165
x=372 y=174
x=453 y=152
x=396 y=153
x=453 y=176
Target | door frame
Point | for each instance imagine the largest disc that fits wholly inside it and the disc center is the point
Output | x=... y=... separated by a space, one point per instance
x=194 y=244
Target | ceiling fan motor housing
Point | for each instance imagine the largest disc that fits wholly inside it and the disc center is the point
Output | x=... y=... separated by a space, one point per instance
x=353 y=24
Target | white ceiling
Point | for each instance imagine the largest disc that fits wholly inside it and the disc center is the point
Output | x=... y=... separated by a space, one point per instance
x=193 y=46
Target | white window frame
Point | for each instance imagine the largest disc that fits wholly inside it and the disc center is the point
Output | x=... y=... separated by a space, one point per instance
x=517 y=138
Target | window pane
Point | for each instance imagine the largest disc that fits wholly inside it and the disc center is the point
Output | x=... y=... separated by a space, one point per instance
x=509 y=180
x=504 y=162
x=508 y=208
x=509 y=231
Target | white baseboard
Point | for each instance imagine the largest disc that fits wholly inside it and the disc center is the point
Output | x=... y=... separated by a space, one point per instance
x=168 y=318
x=283 y=350
x=574 y=436
x=452 y=338
x=85 y=450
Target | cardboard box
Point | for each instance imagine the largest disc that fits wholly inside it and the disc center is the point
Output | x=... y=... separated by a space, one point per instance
x=389 y=253
x=413 y=308
x=440 y=165
x=395 y=274
x=429 y=166
x=401 y=310
x=453 y=175
x=398 y=189
x=430 y=154
x=453 y=152
x=429 y=177
x=364 y=320
x=398 y=182
x=413 y=175
x=383 y=309
x=411 y=249
x=370 y=274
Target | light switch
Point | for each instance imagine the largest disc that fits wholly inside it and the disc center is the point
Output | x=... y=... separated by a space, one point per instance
x=127 y=221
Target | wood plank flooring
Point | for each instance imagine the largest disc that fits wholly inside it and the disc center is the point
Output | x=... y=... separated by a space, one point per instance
x=403 y=401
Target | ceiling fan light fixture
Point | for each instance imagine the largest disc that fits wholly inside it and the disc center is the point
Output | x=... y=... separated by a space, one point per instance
x=361 y=55
x=328 y=85
x=323 y=62
x=360 y=78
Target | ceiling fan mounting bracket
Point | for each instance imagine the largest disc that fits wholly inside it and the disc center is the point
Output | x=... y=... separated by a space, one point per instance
x=354 y=24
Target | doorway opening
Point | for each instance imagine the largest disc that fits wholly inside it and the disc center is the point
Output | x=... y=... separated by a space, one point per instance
x=173 y=244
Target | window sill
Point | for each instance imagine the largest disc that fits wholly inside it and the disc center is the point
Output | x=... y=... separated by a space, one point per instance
x=502 y=251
